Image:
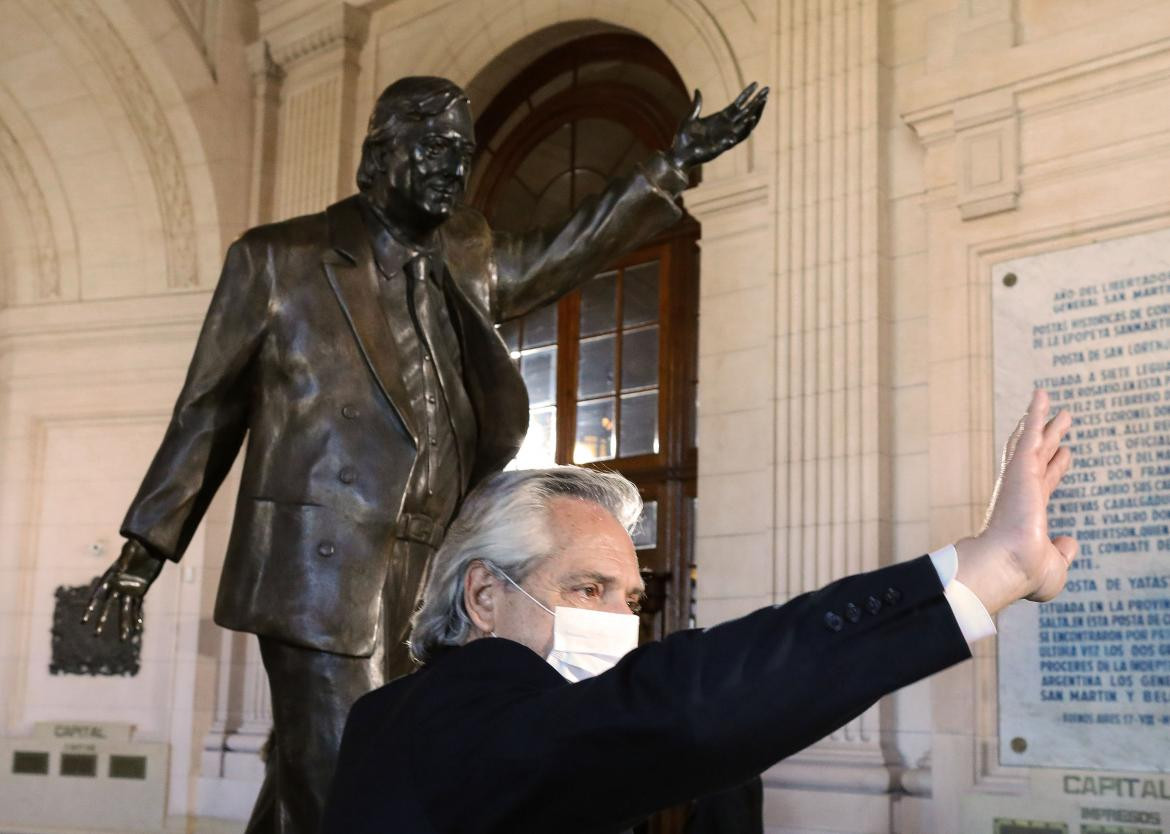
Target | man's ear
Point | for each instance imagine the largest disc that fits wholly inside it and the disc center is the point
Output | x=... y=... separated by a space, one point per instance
x=380 y=153
x=481 y=596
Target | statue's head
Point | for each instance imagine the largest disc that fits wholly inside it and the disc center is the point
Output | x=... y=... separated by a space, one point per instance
x=416 y=157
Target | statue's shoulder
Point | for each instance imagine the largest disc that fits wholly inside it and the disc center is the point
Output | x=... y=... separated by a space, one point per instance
x=308 y=231
x=467 y=227
x=467 y=249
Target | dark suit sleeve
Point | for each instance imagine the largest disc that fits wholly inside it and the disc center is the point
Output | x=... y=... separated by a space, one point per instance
x=538 y=267
x=211 y=413
x=701 y=710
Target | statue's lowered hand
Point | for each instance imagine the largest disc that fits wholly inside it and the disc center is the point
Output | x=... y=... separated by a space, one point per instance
x=700 y=140
x=121 y=589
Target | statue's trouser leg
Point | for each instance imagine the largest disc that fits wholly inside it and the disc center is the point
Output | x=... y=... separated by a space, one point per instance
x=400 y=596
x=312 y=692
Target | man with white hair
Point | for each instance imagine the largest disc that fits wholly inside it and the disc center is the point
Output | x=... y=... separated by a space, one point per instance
x=533 y=711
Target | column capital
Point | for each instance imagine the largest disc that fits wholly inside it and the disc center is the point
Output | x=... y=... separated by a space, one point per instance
x=292 y=40
x=261 y=64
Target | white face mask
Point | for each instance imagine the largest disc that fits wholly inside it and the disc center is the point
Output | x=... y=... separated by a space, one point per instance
x=587 y=643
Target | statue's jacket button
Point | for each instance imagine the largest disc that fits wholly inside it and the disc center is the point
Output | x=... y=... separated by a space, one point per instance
x=325 y=549
x=347 y=475
x=349 y=412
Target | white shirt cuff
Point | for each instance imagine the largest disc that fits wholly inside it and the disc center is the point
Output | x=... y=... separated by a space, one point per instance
x=972 y=617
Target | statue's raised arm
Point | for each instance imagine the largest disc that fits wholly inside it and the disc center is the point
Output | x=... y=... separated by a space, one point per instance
x=539 y=266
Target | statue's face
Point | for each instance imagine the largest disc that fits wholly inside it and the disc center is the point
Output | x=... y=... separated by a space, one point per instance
x=429 y=166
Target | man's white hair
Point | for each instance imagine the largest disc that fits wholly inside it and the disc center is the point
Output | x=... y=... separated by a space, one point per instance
x=505 y=523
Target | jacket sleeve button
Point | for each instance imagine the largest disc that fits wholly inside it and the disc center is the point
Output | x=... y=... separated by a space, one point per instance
x=347 y=475
x=325 y=549
x=893 y=595
x=833 y=621
x=852 y=613
x=873 y=605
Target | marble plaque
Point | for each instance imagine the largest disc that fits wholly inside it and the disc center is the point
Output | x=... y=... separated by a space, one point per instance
x=1084 y=681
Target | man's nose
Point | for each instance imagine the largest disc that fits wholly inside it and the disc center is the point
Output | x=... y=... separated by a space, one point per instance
x=617 y=605
x=456 y=164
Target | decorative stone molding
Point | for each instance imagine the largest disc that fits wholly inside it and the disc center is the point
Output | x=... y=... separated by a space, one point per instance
x=267 y=77
x=710 y=200
x=262 y=66
x=987 y=156
x=917 y=780
x=336 y=26
x=199 y=18
x=984 y=26
x=146 y=116
x=35 y=210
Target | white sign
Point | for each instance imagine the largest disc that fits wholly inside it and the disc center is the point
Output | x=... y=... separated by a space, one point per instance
x=1084 y=681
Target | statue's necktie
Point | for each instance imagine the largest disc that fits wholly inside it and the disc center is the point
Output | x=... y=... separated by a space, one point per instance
x=418 y=295
x=422 y=297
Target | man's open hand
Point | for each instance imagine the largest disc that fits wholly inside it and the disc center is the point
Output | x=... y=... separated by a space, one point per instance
x=700 y=140
x=121 y=589
x=1013 y=557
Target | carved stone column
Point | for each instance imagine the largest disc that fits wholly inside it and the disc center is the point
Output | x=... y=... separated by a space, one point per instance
x=231 y=769
x=310 y=68
x=266 y=80
x=833 y=505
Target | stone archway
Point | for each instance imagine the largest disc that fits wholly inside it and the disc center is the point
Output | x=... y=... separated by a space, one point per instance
x=482 y=52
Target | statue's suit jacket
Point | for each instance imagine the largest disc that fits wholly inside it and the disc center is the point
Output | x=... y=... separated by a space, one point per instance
x=488 y=738
x=296 y=353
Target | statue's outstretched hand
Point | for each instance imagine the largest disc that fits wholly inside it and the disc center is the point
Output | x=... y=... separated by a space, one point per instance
x=1014 y=557
x=121 y=589
x=700 y=140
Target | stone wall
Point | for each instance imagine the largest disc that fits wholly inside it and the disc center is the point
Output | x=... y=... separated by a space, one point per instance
x=845 y=353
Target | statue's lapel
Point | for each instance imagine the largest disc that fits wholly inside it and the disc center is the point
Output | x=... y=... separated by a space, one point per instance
x=349 y=266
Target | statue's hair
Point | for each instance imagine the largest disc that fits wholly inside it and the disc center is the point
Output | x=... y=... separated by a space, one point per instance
x=505 y=523
x=407 y=100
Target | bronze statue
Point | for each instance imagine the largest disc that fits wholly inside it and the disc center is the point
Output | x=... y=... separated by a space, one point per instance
x=356 y=350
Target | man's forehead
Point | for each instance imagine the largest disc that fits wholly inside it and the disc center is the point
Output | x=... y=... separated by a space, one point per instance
x=454 y=121
x=593 y=544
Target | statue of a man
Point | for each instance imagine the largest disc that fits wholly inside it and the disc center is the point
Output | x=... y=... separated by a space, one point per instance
x=356 y=351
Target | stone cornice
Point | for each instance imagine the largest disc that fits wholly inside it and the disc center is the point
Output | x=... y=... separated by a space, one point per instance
x=261 y=64
x=336 y=26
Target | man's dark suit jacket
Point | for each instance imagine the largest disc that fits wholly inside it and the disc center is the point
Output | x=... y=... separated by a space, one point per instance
x=296 y=353
x=489 y=739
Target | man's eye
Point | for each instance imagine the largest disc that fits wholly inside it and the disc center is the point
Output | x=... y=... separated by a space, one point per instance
x=589 y=591
x=635 y=606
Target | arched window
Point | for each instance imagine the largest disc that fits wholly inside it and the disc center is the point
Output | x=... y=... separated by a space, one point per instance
x=611 y=369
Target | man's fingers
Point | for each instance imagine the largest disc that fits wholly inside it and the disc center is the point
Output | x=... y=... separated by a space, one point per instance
x=696 y=107
x=1055 y=431
x=101 y=588
x=742 y=98
x=1035 y=419
x=750 y=109
x=105 y=615
x=1067 y=546
x=1013 y=441
x=1057 y=467
x=126 y=617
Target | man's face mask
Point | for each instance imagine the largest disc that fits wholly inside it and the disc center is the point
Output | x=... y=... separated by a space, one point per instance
x=587 y=643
